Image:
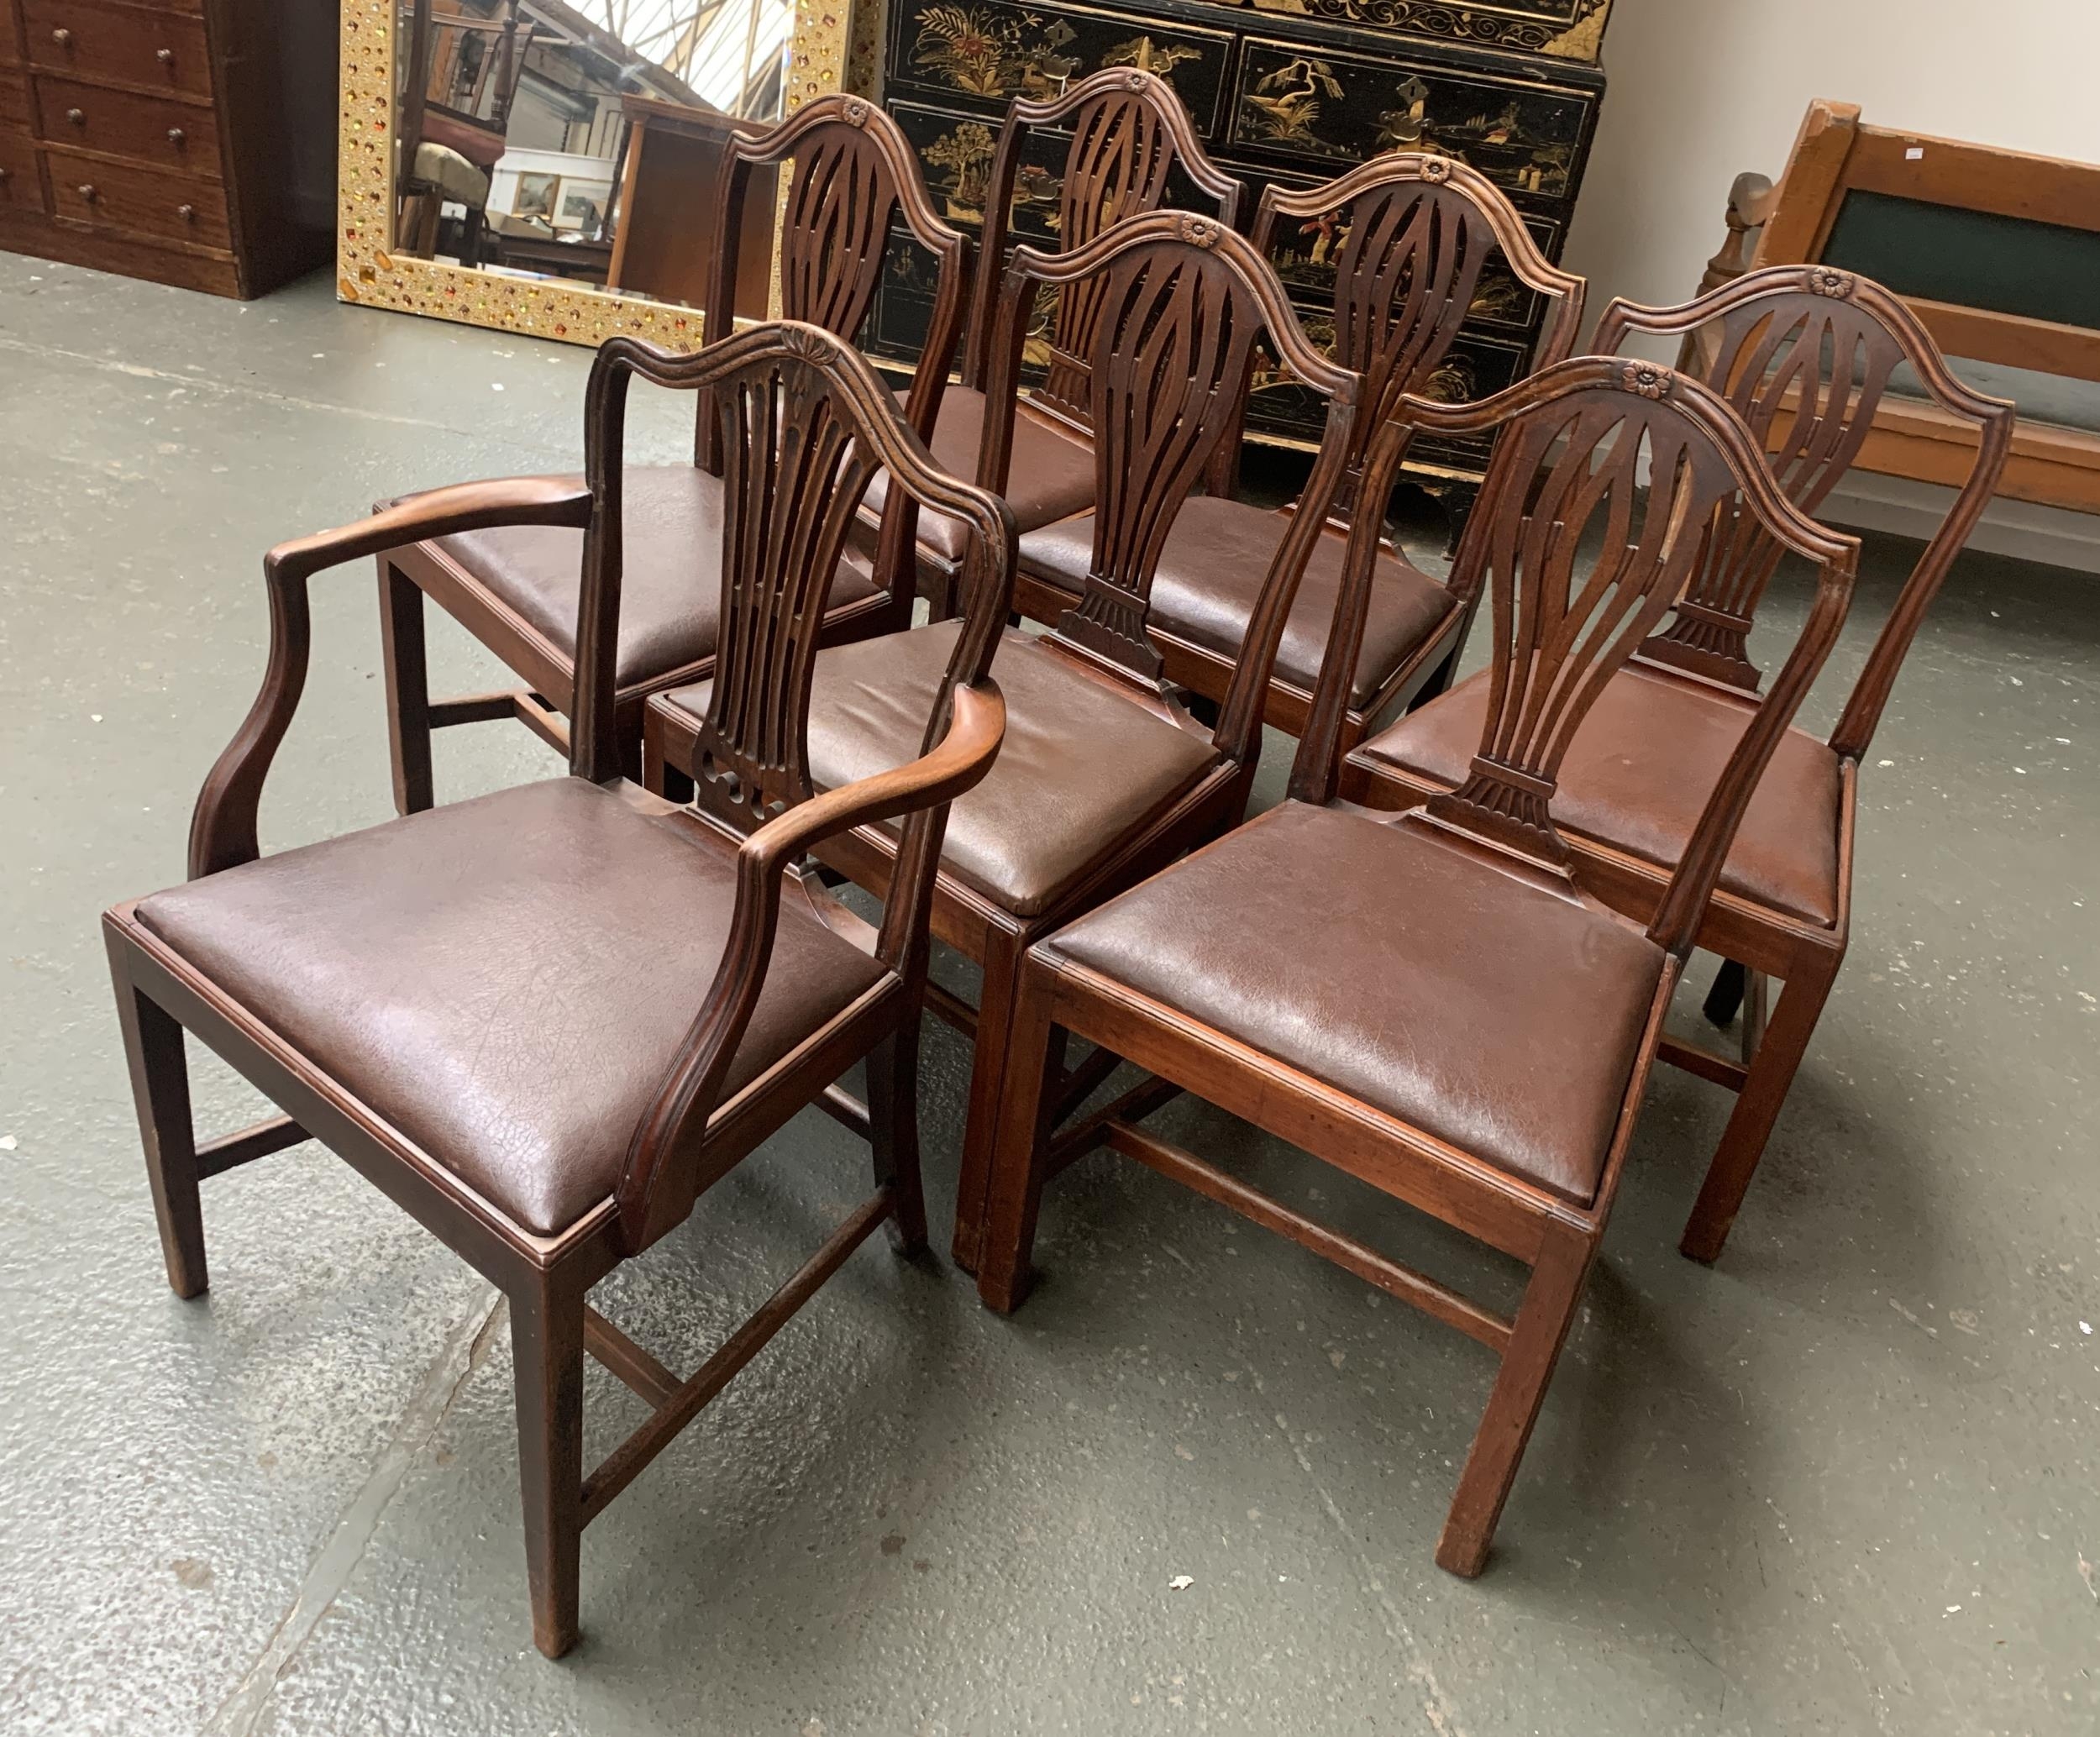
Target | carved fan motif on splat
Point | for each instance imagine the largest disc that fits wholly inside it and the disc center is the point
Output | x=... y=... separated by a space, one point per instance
x=1559 y=630
x=1170 y=351
x=840 y=203
x=1116 y=168
x=793 y=476
x=1806 y=373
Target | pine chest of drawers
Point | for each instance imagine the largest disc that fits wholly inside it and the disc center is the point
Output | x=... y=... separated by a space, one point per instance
x=1291 y=91
x=187 y=141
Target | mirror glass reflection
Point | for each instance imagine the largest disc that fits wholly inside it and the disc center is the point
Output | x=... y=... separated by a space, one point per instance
x=581 y=140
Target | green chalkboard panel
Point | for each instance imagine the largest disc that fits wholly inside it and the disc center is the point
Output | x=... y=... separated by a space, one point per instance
x=1972 y=259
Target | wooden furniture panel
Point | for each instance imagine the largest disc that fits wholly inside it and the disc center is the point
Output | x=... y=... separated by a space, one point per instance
x=21 y=184
x=1282 y=91
x=126 y=45
x=187 y=141
x=117 y=195
x=994 y=51
x=1910 y=210
x=672 y=166
x=158 y=130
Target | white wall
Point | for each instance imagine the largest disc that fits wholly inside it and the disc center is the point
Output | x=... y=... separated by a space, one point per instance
x=1702 y=90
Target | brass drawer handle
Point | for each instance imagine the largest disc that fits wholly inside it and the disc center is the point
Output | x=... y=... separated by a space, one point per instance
x=177 y=138
x=165 y=56
x=88 y=191
x=186 y=213
x=77 y=117
x=64 y=38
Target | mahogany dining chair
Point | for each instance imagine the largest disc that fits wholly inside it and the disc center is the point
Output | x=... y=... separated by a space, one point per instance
x=1131 y=140
x=545 y=1021
x=1806 y=355
x=1104 y=778
x=1429 y=1002
x=1414 y=234
x=515 y=588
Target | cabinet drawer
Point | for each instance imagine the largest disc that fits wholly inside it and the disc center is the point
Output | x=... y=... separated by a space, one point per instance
x=159 y=51
x=992 y=50
x=14 y=102
x=21 y=187
x=153 y=129
x=115 y=195
x=955 y=151
x=1335 y=109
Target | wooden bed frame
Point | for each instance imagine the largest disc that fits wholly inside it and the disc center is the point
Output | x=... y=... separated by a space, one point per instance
x=1836 y=156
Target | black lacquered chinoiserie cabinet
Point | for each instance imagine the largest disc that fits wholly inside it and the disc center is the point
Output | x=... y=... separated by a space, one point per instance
x=1282 y=91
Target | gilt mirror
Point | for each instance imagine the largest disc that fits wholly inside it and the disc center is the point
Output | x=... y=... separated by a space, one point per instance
x=549 y=166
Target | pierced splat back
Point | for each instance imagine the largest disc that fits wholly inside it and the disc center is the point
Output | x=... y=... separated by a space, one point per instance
x=1805 y=355
x=1580 y=559
x=1418 y=231
x=851 y=174
x=1180 y=301
x=1129 y=132
x=1565 y=469
x=801 y=424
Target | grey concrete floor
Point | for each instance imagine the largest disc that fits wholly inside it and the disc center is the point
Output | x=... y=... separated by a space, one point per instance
x=1844 y=1481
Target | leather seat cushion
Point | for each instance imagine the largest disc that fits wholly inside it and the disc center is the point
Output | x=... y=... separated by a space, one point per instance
x=670 y=582
x=1640 y=770
x=1081 y=767
x=1051 y=475
x=1381 y=959
x=506 y=980
x=1210 y=576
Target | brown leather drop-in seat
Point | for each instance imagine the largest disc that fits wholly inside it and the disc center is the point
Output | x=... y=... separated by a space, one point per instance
x=1051 y=476
x=1079 y=768
x=1489 y=1010
x=1211 y=573
x=670 y=588
x=461 y=971
x=1640 y=770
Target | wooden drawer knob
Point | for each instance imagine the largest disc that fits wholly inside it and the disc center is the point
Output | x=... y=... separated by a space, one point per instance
x=77 y=117
x=177 y=137
x=165 y=56
x=64 y=38
x=88 y=191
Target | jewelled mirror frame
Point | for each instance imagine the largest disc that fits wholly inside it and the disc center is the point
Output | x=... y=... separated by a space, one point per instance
x=369 y=273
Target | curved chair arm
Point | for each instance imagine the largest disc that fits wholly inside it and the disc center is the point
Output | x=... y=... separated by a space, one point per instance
x=223 y=827
x=687 y=1097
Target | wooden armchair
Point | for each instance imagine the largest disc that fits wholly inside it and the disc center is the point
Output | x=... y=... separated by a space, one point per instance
x=545 y=1021
x=1131 y=133
x=1103 y=779
x=1431 y=1002
x=1806 y=356
x=516 y=588
x=1417 y=232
